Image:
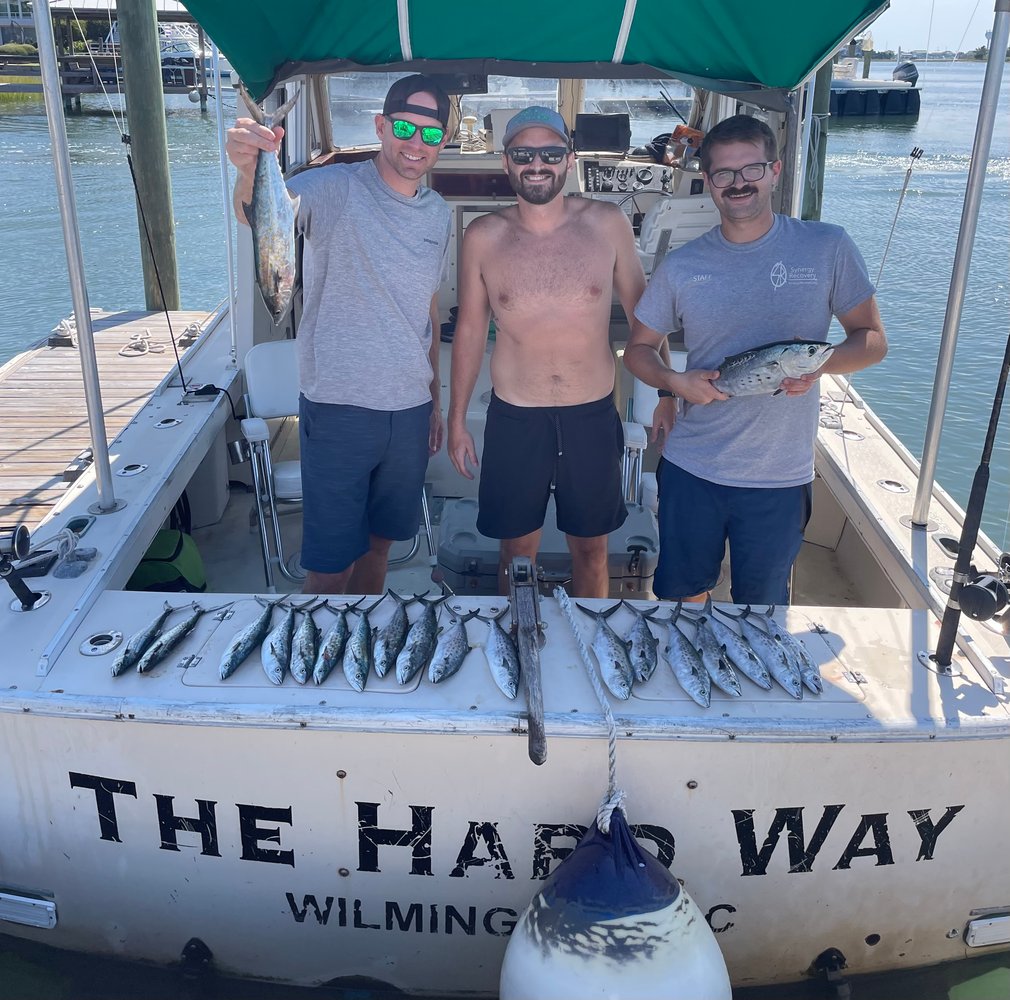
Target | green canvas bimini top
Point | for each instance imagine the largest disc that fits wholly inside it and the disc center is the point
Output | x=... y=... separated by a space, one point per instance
x=733 y=46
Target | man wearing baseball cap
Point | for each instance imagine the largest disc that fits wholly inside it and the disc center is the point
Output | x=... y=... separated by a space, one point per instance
x=547 y=269
x=375 y=252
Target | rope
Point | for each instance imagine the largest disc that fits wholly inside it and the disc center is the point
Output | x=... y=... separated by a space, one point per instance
x=140 y=343
x=615 y=796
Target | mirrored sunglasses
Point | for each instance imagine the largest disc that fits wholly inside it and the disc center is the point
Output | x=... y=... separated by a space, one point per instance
x=521 y=155
x=431 y=135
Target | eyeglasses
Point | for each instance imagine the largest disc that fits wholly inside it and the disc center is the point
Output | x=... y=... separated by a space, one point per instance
x=521 y=155
x=749 y=172
x=431 y=135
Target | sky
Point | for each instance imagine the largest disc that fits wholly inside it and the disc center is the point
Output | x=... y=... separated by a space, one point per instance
x=907 y=23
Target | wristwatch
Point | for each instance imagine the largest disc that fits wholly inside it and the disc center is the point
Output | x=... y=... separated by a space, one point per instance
x=664 y=392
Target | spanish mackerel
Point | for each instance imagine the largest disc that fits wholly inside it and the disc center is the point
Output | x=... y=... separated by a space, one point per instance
x=167 y=641
x=137 y=644
x=304 y=647
x=271 y=216
x=686 y=663
x=713 y=655
x=246 y=641
x=771 y=653
x=420 y=644
x=275 y=653
x=451 y=650
x=740 y=654
x=795 y=650
x=762 y=369
x=502 y=656
x=358 y=651
x=612 y=654
x=391 y=638
x=331 y=649
x=642 y=644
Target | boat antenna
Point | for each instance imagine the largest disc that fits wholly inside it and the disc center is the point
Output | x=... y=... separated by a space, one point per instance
x=673 y=107
x=915 y=155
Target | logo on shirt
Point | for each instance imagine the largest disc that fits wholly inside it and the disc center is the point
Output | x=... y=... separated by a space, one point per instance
x=778 y=275
x=434 y=243
x=698 y=278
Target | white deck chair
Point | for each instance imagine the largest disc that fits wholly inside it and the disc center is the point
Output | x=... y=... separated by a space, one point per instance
x=271 y=375
x=669 y=223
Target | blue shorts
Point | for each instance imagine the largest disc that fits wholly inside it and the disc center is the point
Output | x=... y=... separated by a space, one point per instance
x=764 y=528
x=362 y=474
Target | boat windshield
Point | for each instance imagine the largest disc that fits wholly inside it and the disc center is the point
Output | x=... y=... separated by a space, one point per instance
x=356 y=98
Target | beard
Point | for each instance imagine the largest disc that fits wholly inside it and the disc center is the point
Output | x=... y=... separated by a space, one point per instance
x=537 y=194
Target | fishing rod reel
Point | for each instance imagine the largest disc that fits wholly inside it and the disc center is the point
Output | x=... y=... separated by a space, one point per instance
x=987 y=595
x=15 y=544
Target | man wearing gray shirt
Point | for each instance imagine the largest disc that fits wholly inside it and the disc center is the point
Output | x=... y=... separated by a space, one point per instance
x=375 y=253
x=740 y=469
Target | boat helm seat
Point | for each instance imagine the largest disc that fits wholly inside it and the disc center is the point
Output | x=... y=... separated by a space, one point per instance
x=669 y=223
x=271 y=378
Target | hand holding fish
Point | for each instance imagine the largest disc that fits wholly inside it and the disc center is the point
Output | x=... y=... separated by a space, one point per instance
x=244 y=141
x=800 y=385
x=696 y=386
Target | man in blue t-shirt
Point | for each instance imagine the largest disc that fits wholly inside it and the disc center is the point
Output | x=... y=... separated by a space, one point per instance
x=376 y=246
x=739 y=469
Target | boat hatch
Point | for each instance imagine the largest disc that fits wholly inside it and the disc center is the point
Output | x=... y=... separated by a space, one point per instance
x=28 y=910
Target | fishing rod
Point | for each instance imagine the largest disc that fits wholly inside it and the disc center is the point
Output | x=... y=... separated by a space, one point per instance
x=915 y=155
x=965 y=575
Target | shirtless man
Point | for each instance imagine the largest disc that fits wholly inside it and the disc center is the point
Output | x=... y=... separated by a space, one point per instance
x=547 y=268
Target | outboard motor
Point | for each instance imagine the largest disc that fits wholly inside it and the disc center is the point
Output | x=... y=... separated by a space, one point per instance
x=906 y=73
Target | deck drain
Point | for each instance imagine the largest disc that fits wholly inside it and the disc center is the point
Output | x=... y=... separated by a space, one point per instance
x=850 y=435
x=133 y=469
x=892 y=486
x=167 y=422
x=100 y=643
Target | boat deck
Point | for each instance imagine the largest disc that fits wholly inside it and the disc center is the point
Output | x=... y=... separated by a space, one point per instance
x=44 y=414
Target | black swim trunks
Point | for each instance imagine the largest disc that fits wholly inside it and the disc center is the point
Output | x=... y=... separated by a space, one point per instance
x=528 y=450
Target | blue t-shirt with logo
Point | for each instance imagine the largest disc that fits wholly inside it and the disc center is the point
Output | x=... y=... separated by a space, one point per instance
x=730 y=297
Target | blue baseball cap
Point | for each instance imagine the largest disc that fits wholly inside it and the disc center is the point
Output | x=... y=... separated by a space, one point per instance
x=535 y=116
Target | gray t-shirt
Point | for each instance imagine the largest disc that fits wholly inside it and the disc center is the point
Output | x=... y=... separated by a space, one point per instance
x=729 y=297
x=373 y=258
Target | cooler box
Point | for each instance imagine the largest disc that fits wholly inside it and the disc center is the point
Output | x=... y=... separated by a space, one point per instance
x=469 y=560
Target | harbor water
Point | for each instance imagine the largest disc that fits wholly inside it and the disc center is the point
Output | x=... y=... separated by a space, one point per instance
x=866 y=167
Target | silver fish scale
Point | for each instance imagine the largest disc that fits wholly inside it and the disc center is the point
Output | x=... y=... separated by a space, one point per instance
x=331 y=648
x=773 y=656
x=798 y=654
x=502 y=658
x=390 y=639
x=762 y=369
x=275 y=653
x=687 y=666
x=245 y=642
x=450 y=651
x=741 y=655
x=715 y=660
x=166 y=642
x=137 y=644
x=304 y=649
x=419 y=646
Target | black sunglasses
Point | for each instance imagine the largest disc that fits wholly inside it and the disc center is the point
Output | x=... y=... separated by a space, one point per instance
x=521 y=155
x=431 y=135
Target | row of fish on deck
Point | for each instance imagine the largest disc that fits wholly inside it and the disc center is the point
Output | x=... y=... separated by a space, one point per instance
x=709 y=653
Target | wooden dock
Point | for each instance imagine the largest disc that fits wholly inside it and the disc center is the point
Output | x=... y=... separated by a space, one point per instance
x=43 y=411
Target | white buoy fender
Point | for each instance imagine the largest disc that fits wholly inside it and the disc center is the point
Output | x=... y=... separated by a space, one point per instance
x=612 y=922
